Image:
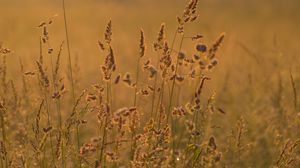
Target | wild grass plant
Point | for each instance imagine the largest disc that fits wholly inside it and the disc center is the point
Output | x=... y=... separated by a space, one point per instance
x=170 y=116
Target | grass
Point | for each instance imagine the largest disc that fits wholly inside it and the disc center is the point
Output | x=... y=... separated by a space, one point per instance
x=174 y=111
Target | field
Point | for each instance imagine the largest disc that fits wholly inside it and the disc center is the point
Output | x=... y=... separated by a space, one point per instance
x=149 y=83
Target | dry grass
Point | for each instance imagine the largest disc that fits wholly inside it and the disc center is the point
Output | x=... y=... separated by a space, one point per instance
x=167 y=109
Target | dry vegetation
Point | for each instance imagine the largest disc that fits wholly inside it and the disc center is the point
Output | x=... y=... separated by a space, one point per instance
x=168 y=108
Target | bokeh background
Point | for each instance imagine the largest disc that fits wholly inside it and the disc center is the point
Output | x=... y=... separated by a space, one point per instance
x=264 y=26
x=261 y=48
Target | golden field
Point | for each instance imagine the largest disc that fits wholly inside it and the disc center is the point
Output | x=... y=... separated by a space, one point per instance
x=149 y=83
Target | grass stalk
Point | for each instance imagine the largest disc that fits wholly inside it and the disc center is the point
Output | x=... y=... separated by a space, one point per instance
x=71 y=73
x=69 y=51
x=2 y=111
x=174 y=80
x=295 y=98
x=103 y=146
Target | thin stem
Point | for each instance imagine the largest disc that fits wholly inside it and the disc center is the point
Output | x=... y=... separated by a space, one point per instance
x=105 y=125
x=172 y=46
x=135 y=104
x=4 y=136
x=54 y=87
x=159 y=100
x=71 y=73
x=294 y=89
x=174 y=80
x=171 y=98
x=99 y=143
x=155 y=87
x=78 y=131
x=69 y=52
x=137 y=80
x=46 y=95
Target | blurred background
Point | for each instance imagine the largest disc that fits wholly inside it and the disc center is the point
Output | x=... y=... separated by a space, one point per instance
x=260 y=51
x=258 y=24
x=261 y=35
